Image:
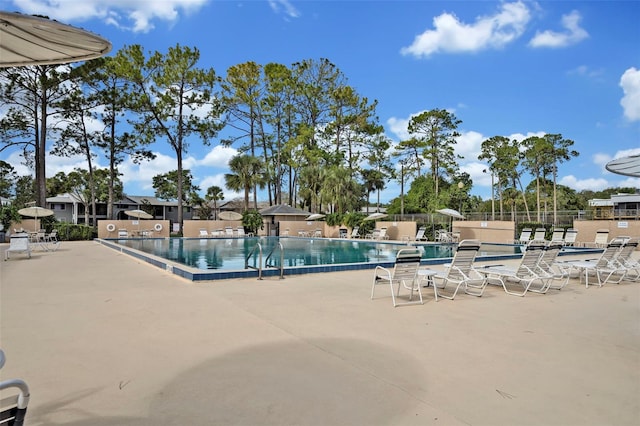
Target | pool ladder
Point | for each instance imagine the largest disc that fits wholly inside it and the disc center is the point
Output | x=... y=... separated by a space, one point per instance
x=267 y=261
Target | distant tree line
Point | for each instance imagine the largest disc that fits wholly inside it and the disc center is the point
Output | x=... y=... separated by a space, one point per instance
x=303 y=135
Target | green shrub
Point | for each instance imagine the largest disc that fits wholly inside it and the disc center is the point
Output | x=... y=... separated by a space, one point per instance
x=71 y=232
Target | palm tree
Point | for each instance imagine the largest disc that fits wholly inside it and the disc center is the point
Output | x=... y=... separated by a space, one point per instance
x=214 y=193
x=247 y=172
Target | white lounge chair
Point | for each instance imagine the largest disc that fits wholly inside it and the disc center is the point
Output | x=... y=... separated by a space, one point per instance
x=228 y=231
x=525 y=274
x=461 y=273
x=15 y=392
x=240 y=231
x=606 y=268
x=19 y=244
x=601 y=239
x=52 y=240
x=540 y=234
x=420 y=234
x=570 y=237
x=558 y=234
x=626 y=260
x=382 y=235
x=355 y=232
x=549 y=266
x=374 y=234
x=525 y=236
x=404 y=275
x=203 y=233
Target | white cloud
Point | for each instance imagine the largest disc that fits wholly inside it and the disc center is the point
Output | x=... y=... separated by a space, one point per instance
x=451 y=35
x=573 y=33
x=218 y=156
x=398 y=126
x=142 y=174
x=593 y=184
x=469 y=145
x=137 y=16
x=286 y=6
x=630 y=83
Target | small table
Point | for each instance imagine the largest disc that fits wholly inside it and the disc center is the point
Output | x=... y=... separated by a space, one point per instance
x=427 y=274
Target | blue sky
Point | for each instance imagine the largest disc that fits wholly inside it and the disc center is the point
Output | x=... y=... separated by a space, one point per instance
x=512 y=68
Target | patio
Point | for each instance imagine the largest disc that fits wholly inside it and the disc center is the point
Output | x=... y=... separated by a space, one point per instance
x=104 y=339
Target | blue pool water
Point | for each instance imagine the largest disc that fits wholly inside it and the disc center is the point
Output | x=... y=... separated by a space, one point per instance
x=300 y=255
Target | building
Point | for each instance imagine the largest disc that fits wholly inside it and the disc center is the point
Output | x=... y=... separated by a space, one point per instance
x=619 y=206
x=70 y=208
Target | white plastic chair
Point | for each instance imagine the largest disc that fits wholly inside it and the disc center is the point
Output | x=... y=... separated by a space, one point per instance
x=19 y=244
x=404 y=274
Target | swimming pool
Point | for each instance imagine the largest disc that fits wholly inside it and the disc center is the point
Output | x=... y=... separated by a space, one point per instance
x=220 y=258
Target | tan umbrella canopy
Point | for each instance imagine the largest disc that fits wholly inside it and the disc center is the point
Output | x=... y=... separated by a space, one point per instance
x=31 y=40
x=315 y=216
x=230 y=215
x=376 y=216
x=140 y=214
x=626 y=166
x=35 y=212
x=451 y=212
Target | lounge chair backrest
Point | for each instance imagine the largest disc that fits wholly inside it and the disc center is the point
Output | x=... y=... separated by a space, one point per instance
x=549 y=255
x=463 y=259
x=570 y=236
x=558 y=234
x=540 y=234
x=525 y=234
x=530 y=258
x=383 y=233
x=626 y=251
x=420 y=234
x=602 y=237
x=241 y=231
x=354 y=232
x=407 y=265
x=610 y=253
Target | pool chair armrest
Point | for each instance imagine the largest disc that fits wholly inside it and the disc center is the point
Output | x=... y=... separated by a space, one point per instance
x=382 y=273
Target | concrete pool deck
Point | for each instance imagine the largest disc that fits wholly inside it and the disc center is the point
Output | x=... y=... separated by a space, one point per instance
x=105 y=339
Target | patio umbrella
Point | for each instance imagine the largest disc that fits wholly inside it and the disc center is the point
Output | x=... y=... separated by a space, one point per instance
x=626 y=166
x=35 y=212
x=140 y=214
x=32 y=40
x=230 y=215
x=315 y=216
x=451 y=212
x=375 y=216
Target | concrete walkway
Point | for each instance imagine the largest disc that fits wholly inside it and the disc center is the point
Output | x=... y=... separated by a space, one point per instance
x=104 y=339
